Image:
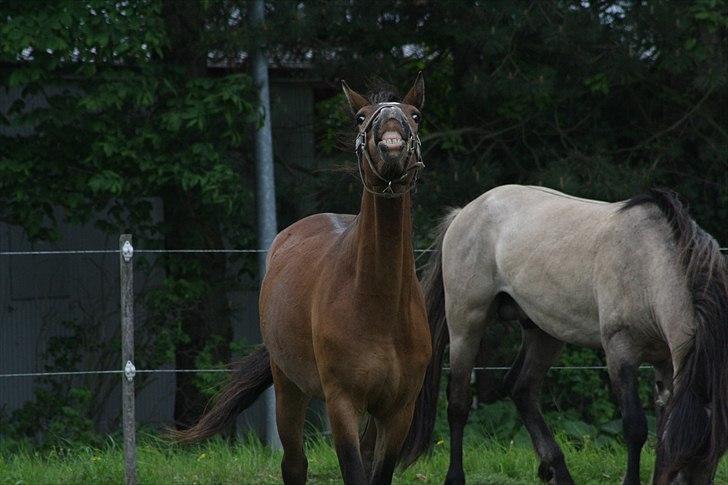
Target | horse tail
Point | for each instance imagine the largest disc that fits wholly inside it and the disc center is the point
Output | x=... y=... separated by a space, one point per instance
x=694 y=431
x=419 y=439
x=243 y=388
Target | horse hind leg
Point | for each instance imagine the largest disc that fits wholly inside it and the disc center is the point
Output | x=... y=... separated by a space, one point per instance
x=466 y=333
x=291 y=406
x=525 y=379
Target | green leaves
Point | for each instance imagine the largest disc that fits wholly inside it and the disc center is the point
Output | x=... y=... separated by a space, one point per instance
x=107 y=182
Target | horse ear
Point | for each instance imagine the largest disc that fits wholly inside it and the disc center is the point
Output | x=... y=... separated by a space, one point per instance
x=416 y=95
x=356 y=100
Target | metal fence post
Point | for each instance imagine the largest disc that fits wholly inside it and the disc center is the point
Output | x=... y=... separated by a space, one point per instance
x=126 y=275
x=265 y=188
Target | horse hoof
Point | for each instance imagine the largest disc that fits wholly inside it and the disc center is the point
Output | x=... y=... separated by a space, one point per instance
x=554 y=476
x=455 y=479
x=545 y=473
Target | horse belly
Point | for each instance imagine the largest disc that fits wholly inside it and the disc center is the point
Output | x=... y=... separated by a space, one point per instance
x=567 y=324
x=565 y=314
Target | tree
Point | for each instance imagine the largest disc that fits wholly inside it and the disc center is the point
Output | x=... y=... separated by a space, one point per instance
x=599 y=99
x=132 y=112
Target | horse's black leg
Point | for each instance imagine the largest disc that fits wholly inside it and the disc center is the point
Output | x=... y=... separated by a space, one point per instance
x=623 y=363
x=462 y=355
x=291 y=405
x=459 y=402
x=538 y=352
x=663 y=392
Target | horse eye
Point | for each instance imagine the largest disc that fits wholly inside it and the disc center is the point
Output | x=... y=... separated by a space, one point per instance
x=360 y=119
x=416 y=117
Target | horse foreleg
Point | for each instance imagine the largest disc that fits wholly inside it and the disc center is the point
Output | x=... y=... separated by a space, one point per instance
x=538 y=352
x=367 y=443
x=663 y=391
x=291 y=406
x=344 y=416
x=623 y=364
x=462 y=356
x=394 y=430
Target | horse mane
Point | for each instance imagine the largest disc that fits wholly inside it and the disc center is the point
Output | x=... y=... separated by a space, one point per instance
x=381 y=91
x=703 y=376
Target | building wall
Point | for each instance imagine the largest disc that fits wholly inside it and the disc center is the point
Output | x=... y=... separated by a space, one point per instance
x=37 y=293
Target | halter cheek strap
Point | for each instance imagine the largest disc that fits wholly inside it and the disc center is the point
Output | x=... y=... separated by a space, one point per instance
x=413 y=147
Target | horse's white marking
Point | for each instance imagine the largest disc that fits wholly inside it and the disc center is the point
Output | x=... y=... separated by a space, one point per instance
x=336 y=222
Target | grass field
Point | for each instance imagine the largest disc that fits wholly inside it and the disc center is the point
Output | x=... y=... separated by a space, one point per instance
x=216 y=462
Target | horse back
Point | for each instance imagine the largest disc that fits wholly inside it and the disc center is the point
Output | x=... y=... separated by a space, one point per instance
x=573 y=265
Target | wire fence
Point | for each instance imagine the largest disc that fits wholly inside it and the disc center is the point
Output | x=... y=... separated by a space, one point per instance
x=182 y=371
x=197 y=251
x=128 y=372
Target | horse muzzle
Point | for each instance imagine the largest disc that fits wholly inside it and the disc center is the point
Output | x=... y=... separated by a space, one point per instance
x=393 y=140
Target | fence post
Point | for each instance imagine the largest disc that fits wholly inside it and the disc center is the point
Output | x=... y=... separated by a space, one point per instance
x=126 y=275
x=265 y=188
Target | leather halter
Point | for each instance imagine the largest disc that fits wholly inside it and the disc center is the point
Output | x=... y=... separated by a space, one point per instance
x=413 y=146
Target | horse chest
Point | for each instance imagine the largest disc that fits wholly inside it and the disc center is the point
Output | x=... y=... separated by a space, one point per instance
x=384 y=369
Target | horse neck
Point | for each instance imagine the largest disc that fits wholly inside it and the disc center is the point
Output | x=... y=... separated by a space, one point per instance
x=383 y=247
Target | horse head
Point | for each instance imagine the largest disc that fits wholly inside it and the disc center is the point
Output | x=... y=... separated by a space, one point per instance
x=388 y=142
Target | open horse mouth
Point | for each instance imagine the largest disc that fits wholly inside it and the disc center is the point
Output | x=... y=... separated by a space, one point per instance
x=391 y=141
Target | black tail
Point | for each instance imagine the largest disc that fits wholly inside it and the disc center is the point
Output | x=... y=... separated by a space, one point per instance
x=419 y=439
x=241 y=391
x=695 y=428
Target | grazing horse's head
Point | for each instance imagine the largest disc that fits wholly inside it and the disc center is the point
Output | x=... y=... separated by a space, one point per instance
x=388 y=144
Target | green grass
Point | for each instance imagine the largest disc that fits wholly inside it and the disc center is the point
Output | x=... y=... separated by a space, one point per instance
x=486 y=462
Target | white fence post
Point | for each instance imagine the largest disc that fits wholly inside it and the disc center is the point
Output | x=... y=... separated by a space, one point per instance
x=126 y=275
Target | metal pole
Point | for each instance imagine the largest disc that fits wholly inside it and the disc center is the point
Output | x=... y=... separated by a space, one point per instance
x=265 y=188
x=126 y=276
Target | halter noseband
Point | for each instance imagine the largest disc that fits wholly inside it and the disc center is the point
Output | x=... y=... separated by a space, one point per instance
x=413 y=146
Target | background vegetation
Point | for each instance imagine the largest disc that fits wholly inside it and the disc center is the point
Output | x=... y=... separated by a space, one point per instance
x=596 y=98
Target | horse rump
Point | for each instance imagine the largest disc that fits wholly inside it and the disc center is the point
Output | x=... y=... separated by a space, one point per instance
x=694 y=431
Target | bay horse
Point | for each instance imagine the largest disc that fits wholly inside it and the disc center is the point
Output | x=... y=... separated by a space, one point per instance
x=638 y=279
x=342 y=313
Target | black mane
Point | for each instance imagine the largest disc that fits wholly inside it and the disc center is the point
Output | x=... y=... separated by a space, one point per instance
x=690 y=434
x=382 y=92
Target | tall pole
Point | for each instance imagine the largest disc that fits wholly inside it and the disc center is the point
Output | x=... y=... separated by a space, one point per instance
x=126 y=277
x=265 y=188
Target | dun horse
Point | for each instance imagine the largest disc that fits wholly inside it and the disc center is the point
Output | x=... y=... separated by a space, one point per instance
x=342 y=313
x=637 y=278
